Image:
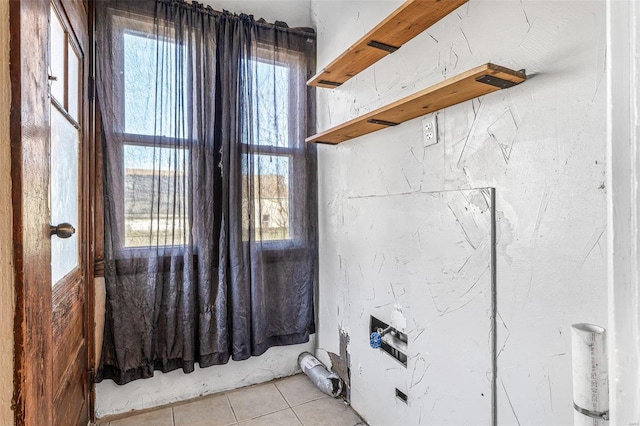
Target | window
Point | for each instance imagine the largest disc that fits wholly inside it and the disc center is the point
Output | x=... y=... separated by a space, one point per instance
x=275 y=152
x=155 y=133
x=154 y=121
x=185 y=106
x=150 y=172
x=271 y=201
x=66 y=145
x=153 y=102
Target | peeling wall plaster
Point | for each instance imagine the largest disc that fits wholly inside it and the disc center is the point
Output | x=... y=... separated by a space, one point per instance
x=540 y=144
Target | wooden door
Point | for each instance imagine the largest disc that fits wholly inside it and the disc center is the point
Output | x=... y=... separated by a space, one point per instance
x=67 y=46
x=50 y=123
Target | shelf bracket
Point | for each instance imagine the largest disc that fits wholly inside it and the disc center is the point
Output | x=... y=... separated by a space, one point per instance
x=329 y=83
x=382 y=46
x=382 y=122
x=495 y=81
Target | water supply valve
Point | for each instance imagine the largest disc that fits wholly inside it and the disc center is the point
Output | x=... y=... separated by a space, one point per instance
x=389 y=339
x=375 y=341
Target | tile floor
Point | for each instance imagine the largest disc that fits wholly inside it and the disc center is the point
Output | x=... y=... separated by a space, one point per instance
x=290 y=401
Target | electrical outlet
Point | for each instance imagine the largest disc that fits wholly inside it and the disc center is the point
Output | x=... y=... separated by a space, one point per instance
x=430 y=130
x=402 y=396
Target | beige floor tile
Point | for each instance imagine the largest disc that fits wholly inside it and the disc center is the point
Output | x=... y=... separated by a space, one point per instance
x=162 y=417
x=279 y=418
x=256 y=401
x=299 y=389
x=326 y=412
x=210 y=411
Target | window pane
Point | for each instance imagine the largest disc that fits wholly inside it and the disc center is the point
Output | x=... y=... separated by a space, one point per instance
x=74 y=82
x=270 y=201
x=57 y=53
x=152 y=74
x=65 y=142
x=271 y=104
x=155 y=207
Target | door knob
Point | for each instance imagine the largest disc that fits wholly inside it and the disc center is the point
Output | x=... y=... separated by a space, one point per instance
x=64 y=230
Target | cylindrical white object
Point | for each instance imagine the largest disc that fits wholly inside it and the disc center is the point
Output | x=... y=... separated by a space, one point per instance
x=590 y=376
x=328 y=382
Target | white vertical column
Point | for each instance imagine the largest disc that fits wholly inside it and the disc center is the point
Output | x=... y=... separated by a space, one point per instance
x=623 y=83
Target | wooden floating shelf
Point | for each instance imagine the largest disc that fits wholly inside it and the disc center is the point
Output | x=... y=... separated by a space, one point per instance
x=468 y=85
x=406 y=22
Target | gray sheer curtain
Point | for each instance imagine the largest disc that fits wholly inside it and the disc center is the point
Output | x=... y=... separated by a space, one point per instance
x=209 y=188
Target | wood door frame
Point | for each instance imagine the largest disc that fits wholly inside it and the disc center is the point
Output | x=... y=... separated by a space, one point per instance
x=92 y=164
x=29 y=130
x=30 y=136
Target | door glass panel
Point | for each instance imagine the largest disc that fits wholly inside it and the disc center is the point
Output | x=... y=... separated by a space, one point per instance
x=57 y=53
x=64 y=193
x=74 y=76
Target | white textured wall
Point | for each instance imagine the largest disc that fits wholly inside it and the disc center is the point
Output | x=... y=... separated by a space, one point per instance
x=540 y=144
x=438 y=251
x=276 y=362
x=6 y=236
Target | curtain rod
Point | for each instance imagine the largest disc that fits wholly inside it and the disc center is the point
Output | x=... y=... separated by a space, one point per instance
x=202 y=8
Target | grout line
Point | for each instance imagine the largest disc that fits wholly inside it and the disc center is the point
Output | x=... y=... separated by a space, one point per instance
x=323 y=396
x=282 y=395
x=231 y=406
x=173 y=417
x=296 y=414
x=264 y=414
x=287 y=401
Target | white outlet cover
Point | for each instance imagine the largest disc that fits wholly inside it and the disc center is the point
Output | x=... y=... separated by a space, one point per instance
x=430 y=130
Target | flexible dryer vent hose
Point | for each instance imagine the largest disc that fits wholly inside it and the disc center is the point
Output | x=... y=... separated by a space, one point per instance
x=328 y=382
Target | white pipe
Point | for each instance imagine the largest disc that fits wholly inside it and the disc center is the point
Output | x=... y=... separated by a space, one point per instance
x=590 y=377
x=395 y=343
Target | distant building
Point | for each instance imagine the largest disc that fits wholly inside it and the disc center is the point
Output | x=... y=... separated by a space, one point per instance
x=151 y=198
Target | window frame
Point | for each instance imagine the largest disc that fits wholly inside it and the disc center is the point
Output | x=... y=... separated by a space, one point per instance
x=147 y=142
x=124 y=138
x=293 y=150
